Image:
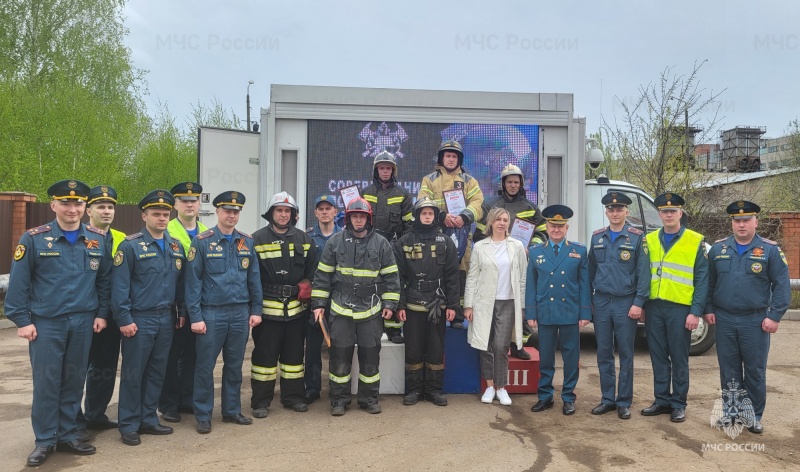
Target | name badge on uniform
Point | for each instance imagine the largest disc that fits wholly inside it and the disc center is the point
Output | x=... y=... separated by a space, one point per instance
x=214 y=254
x=146 y=255
x=49 y=253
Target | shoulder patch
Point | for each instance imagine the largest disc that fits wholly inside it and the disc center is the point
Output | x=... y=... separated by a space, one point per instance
x=205 y=234
x=118 y=258
x=19 y=253
x=598 y=231
x=133 y=236
x=39 y=229
x=96 y=230
x=769 y=241
x=245 y=234
x=633 y=230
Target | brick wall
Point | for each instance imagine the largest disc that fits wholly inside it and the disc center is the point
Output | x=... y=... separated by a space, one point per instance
x=790 y=236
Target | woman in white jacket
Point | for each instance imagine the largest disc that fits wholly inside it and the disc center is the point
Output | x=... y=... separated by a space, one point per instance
x=494 y=300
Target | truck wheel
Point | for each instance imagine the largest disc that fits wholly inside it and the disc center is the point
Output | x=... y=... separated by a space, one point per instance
x=703 y=338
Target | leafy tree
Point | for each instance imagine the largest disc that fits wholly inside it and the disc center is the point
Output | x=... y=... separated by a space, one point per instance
x=69 y=94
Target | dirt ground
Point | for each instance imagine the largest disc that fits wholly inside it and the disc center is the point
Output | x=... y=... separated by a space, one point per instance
x=466 y=435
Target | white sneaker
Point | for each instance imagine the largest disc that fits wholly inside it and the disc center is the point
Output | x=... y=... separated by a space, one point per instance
x=502 y=395
x=488 y=395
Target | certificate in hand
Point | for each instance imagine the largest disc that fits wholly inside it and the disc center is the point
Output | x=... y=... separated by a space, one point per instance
x=522 y=231
x=349 y=194
x=454 y=201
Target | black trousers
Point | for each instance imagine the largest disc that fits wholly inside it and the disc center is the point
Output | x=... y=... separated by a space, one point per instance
x=179 y=378
x=102 y=374
x=345 y=334
x=278 y=350
x=424 y=353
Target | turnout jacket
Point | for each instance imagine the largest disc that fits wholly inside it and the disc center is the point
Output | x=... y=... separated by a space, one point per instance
x=392 y=212
x=440 y=180
x=518 y=206
x=284 y=261
x=428 y=263
x=349 y=266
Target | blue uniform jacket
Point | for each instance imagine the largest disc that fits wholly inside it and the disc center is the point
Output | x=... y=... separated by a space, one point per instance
x=320 y=239
x=558 y=289
x=755 y=282
x=145 y=279
x=222 y=273
x=620 y=270
x=50 y=277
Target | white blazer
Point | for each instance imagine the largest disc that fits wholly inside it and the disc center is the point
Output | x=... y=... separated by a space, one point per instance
x=481 y=288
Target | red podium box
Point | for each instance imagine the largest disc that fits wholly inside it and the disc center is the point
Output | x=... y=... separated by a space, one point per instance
x=523 y=376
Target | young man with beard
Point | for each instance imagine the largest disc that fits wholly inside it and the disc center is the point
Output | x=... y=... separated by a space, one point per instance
x=392 y=216
x=287 y=259
x=428 y=267
x=176 y=396
x=358 y=274
x=449 y=175
x=148 y=283
x=223 y=298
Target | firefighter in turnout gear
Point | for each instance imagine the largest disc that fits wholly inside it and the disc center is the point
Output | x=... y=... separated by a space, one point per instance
x=428 y=266
x=511 y=196
x=450 y=175
x=287 y=263
x=392 y=215
x=358 y=273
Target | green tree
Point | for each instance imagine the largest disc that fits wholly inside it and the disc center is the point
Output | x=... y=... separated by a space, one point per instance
x=69 y=94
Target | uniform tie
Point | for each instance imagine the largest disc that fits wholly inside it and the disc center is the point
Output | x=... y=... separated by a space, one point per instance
x=555 y=249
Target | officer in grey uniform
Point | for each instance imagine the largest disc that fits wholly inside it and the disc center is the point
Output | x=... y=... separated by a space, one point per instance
x=58 y=293
x=619 y=270
x=223 y=297
x=148 y=286
x=749 y=292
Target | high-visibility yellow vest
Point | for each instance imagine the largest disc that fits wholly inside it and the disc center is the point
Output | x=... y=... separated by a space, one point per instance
x=177 y=231
x=116 y=238
x=672 y=273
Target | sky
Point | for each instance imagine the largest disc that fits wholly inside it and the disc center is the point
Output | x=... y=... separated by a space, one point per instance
x=599 y=51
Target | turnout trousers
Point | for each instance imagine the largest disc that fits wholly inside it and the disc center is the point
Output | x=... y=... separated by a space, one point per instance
x=345 y=334
x=424 y=352
x=278 y=351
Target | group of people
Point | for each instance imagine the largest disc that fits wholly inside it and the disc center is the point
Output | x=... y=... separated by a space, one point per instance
x=177 y=294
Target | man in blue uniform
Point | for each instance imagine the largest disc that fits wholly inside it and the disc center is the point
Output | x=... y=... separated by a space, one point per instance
x=146 y=297
x=749 y=292
x=62 y=257
x=223 y=297
x=325 y=212
x=104 y=353
x=619 y=269
x=559 y=300
x=678 y=289
x=176 y=396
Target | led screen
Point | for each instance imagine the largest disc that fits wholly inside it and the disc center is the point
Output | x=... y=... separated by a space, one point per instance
x=340 y=153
